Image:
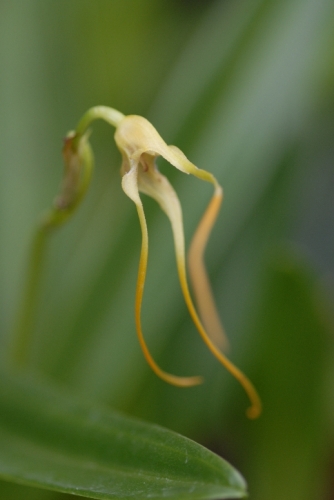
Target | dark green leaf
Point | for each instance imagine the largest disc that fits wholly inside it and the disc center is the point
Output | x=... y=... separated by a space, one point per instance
x=54 y=442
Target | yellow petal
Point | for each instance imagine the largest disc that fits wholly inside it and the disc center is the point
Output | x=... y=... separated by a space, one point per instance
x=198 y=275
x=130 y=187
x=153 y=183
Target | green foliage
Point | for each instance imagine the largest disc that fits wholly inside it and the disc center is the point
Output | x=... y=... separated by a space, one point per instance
x=289 y=440
x=51 y=441
x=245 y=88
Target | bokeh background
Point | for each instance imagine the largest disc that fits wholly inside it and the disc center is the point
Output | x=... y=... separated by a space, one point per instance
x=246 y=90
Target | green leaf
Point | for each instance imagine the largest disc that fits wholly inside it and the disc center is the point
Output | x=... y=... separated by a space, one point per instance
x=52 y=441
x=14 y=491
x=291 y=341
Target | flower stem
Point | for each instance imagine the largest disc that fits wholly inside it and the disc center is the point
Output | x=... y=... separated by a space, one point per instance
x=78 y=159
x=110 y=115
x=29 y=301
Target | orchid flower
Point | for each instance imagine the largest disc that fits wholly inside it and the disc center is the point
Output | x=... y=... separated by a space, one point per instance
x=140 y=144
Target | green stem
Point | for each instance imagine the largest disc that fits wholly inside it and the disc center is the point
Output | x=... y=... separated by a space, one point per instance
x=26 y=316
x=110 y=115
x=79 y=162
x=78 y=159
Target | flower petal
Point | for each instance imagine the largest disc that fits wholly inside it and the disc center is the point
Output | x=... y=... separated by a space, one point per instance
x=130 y=187
x=198 y=275
x=156 y=185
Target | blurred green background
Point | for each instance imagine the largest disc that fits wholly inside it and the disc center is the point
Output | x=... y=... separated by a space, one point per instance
x=246 y=90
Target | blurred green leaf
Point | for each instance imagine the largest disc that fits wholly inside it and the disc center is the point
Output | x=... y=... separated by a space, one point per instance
x=54 y=442
x=290 y=343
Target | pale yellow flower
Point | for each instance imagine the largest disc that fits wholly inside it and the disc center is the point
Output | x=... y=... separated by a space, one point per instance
x=140 y=145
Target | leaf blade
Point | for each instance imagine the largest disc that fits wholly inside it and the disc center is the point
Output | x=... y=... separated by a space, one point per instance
x=51 y=441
